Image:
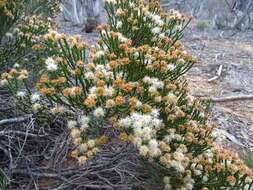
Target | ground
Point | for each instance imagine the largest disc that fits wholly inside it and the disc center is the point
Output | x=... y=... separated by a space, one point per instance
x=235 y=54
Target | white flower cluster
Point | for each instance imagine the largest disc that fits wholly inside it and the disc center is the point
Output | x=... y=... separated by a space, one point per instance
x=58 y=109
x=72 y=124
x=35 y=97
x=119 y=24
x=156 y=30
x=190 y=100
x=132 y=5
x=21 y=94
x=189 y=183
x=99 y=112
x=95 y=91
x=84 y=122
x=121 y=37
x=9 y=35
x=179 y=162
x=147 y=60
x=171 y=67
x=154 y=82
x=89 y=75
x=156 y=18
x=159 y=24
x=100 y=53
x=173 y=136
x=144 y=126
x=51 y=64
x=105 y=70
x=218 y=134
x=173 y=14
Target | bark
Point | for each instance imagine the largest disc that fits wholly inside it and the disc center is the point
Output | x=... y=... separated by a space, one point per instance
x=93 y=9
x=73 y=11
x=15 y=120
x=244 y=7
x=83 y=12
x=222 y=14
x=241 y=5
x=226 y=99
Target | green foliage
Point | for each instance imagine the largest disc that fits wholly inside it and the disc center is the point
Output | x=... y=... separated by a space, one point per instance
x=21 y=32
x=202 y=25
x=43 y=7
x=221 y=24
x=4 y=180
x=248 y=158
x=22 y=45
x=150 y=30
x=10 y=12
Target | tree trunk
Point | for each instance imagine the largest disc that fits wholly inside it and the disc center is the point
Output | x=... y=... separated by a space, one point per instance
x=244 y=7
x=93 y=9
x=74 y=12
x=83 y=12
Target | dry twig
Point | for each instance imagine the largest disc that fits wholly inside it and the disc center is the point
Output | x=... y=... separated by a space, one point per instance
x=16 y=120
x=40 y=159
x=225 y=99
x=217 y=76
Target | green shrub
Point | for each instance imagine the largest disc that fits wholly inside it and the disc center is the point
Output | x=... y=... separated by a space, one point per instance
x=21 y=31
x=4 y=180
x=47 y=8
x=202 y=25
x=248 y=158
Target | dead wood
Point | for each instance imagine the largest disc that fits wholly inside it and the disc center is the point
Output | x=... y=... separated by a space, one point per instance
x=15 y=120
x=225 y=99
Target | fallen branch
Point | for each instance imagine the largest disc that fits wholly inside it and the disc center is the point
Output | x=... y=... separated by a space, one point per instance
x=213 y=78
x=15 y=120
x=165 y=5
x=219 y=71
x=18 y=133
x=217 y=76
x=226 y=99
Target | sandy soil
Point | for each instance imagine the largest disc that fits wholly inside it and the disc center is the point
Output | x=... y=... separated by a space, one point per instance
x=235 y=54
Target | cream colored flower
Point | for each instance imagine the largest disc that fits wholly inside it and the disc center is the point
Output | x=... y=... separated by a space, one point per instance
x=99 y=112
x=51 y=64
x=36 y=107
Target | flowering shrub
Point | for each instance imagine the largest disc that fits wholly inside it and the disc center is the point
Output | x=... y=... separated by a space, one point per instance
x=132 y=81
x=46 y=8
x=10 y=13
x=147 y=27
x=21 y=31
x=22 y=45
